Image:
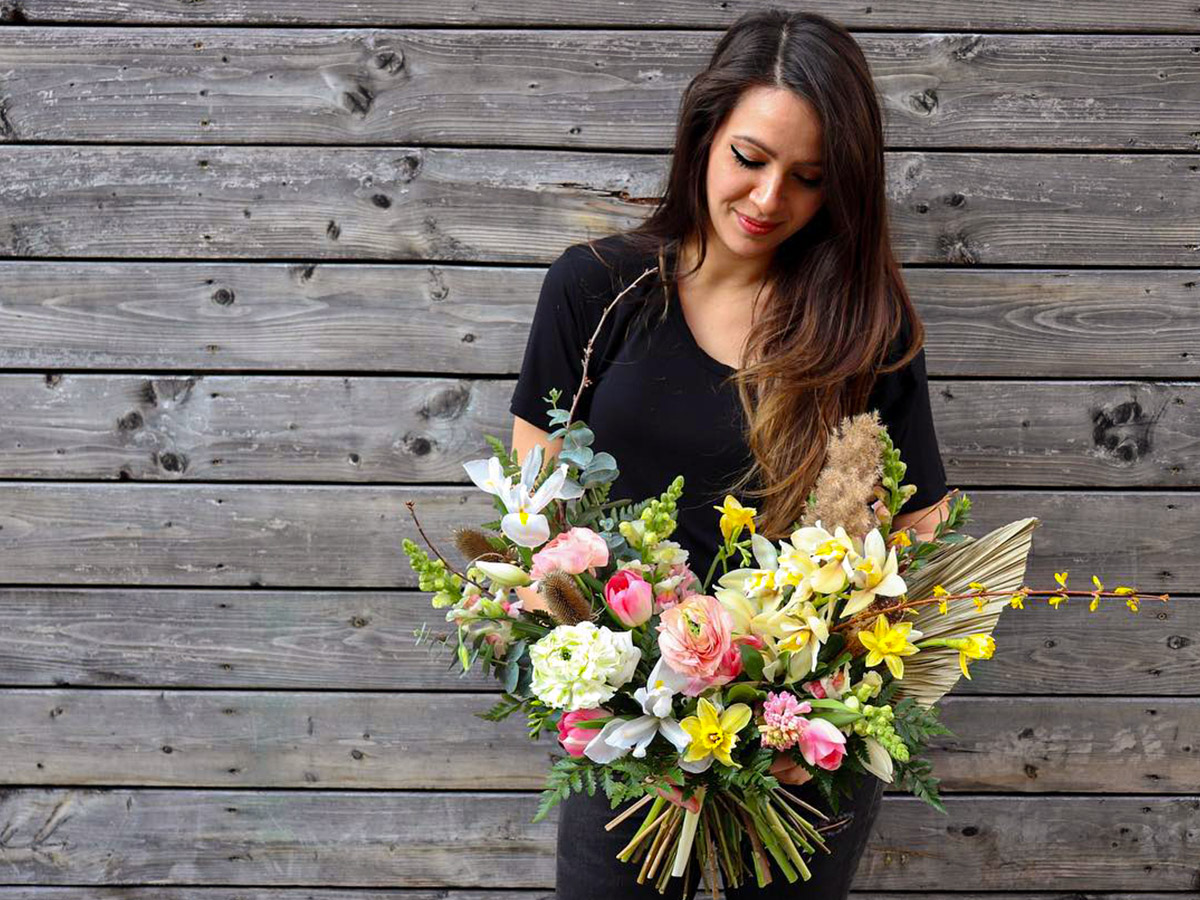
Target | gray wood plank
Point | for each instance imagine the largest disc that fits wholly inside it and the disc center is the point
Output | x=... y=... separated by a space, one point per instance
x=364 y=640
x=235 y=739
x=1016 y=15
x=473 y=319
x=525 y=206
x=349 y=535
x=217 y=893
x=253 y=838
x=577 y=89
x=387 y=429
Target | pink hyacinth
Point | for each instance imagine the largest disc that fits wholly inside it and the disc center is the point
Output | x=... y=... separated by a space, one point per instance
x=783 y=721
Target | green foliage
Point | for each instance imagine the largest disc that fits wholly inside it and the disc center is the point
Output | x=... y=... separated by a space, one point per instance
x=915 y=724
x=503 y=708
x=917 y=776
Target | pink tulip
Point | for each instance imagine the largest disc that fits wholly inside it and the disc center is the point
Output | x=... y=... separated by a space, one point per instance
x=822 y=744
x=574 y=738
x=630 y=597
x=575 y=551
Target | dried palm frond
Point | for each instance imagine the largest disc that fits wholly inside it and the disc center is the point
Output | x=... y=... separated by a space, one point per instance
x=996 y=560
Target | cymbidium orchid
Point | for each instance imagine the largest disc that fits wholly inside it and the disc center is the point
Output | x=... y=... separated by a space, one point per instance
x=872 y=573
x=804 y=631
x=524 y=524
x=827 y=552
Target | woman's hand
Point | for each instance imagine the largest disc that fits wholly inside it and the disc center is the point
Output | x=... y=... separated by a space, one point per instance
x=787 y=772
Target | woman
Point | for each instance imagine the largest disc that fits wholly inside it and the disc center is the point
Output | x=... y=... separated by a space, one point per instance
x=776 y=309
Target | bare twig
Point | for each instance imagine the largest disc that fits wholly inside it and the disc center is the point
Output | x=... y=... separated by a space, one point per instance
x=412 y=512
x=587 y=353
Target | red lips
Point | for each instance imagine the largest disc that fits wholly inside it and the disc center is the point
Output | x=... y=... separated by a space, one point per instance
x=754 y=226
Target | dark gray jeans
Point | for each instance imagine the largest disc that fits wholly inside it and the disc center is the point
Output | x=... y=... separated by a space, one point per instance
x=587 y=868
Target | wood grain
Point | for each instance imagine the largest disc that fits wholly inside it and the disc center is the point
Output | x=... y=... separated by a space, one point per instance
x=520 y=206
x=364 y=640
x=448 y=319
x=1015 y=15
x=579 y=89
x=390 y=429
x=479 y=839
x=295 y=739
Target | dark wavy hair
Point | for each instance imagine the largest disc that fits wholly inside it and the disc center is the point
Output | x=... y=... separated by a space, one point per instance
x=837 y=301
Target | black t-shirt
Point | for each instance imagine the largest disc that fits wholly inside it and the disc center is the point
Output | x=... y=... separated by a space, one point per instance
x=660 y=404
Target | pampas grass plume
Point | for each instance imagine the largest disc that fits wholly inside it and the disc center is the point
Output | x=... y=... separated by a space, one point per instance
x=846 y=484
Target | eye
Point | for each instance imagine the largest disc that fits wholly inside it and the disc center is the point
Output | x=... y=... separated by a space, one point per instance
x=747 y=164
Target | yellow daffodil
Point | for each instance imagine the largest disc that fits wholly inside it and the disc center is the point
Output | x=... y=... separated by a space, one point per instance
x=735 y=517
x=714 y=732
x=888 y=643
x=872 y=573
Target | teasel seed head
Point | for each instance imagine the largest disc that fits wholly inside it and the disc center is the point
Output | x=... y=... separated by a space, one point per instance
x=563 y=598
x=473 y=544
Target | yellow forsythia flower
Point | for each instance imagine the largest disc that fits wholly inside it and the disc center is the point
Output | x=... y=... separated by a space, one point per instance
x=1132 y=603
x=943 y=607
x=1017 y=601
x=977 y=586
x=1096 y=582
x=1095 y=603
x=939 y=591
x=980 y=603
x=900 y=539
x=1124 y=590
x=1061 y=578
x=1056 y=599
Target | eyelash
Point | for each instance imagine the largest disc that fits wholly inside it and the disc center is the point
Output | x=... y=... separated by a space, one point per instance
x=746 y=164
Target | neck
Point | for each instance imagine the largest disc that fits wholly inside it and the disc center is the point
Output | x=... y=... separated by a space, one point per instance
x=722 y=274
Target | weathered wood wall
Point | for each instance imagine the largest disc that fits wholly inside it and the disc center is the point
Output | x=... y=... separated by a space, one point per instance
x=268 y=271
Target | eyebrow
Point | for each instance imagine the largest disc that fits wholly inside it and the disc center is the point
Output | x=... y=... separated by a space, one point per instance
x=771 y=153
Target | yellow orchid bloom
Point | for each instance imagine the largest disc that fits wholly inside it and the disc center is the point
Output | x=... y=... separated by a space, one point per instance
x=827 y=552
x=804 y=631
x=714 y=732
x=888 y=643
x=875 y=572
x=735 y=517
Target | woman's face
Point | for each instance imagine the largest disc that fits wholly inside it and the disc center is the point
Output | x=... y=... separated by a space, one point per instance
x=764 y=164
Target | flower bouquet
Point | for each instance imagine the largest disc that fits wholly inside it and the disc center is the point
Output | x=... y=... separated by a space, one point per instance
x=829 y=648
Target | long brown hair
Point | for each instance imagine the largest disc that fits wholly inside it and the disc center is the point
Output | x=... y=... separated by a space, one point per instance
x=836 y=300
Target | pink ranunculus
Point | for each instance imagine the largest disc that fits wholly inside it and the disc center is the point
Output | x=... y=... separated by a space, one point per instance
x=729 y=669
x=822 y=744
x=695 y=635
x=574 y=551
x=574 y=738
x=630 y=597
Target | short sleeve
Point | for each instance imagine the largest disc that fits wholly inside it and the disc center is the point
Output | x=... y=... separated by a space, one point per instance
x=902 y=399
x=554 y=350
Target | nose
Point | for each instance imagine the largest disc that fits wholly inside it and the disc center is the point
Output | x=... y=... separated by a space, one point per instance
x=768 y=194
